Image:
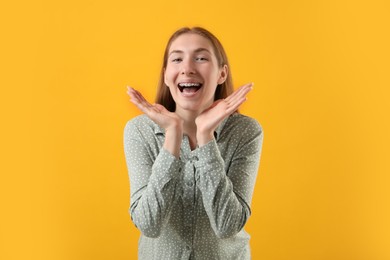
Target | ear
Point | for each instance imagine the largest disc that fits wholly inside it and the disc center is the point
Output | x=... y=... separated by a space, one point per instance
x=223 y=74
x=165 y=78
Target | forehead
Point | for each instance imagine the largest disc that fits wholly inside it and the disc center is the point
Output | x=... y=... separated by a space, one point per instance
x=190 y=42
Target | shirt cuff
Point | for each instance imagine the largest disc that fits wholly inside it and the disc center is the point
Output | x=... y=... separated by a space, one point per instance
x=209 y=157
x=165 y=168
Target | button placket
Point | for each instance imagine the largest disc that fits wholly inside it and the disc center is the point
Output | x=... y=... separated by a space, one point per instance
x=188 y=198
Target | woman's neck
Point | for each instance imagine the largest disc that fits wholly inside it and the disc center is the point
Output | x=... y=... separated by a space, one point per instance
x=189 y=126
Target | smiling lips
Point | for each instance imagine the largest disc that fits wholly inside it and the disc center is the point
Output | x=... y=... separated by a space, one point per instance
x=189 y=88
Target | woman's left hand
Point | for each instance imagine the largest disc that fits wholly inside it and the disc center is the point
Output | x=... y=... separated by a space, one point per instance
x=208 y=120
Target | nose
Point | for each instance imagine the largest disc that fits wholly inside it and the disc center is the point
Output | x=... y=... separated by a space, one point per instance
x=188 y=68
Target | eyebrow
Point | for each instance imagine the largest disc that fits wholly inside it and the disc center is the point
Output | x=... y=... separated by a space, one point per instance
x=196 y=51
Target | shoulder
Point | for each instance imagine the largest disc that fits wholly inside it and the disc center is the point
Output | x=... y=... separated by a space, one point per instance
x=242 y=123
x=241 y=133
x=140 y=121
x=141 y=124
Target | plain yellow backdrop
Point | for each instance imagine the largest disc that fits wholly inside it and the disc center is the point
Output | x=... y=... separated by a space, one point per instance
x=321 y=74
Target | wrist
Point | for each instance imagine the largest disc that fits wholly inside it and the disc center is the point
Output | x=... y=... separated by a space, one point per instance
x=175 y=129
x=173 y=138
x=204 y=137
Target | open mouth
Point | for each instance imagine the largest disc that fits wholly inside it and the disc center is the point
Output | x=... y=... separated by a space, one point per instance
x=189 y=87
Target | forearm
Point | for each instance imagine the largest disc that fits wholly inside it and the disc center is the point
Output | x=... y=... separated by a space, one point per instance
x=226 y=210
x=203 y=137
x=151 y=204
x=173 y=138
x=149 y=212
x=153 y=174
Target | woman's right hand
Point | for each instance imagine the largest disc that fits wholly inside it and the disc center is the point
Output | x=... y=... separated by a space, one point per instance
x=170 y=121
x=158 y=113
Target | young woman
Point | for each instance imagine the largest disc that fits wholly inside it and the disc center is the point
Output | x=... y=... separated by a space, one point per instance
x=192 y=158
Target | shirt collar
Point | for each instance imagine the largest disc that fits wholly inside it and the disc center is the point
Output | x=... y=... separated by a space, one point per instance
x=219 y=129
x=158 y=129
x=217 y=132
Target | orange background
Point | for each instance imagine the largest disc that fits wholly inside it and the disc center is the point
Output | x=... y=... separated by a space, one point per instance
x=321 y=73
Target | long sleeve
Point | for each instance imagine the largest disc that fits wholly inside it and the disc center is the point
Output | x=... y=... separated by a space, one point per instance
x=194 y=207
x=227 y=189
x=153 y=175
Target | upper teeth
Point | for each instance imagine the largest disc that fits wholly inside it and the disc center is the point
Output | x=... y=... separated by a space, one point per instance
x=189 y=84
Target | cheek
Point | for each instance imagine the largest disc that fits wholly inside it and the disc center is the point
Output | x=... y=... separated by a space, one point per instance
x=167 y=78
x=169 y=75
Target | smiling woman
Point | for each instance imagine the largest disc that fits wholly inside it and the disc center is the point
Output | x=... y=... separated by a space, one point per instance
x=192 y=158
x=193 y=73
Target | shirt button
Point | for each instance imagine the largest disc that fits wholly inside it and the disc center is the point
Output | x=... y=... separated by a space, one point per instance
x=190 y=183
x=195 y=158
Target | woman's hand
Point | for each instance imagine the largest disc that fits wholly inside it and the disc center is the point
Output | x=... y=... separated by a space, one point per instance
x=170 y=121
x=208 y=120
x=158 y=113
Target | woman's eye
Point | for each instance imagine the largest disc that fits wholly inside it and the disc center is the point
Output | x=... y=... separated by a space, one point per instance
x=176 y=60
x=201 y=59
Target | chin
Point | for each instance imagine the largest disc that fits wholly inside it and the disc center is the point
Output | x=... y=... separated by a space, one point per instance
x=189 y=107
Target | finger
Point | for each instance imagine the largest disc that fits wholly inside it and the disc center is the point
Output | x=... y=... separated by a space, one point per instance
x=138 y=95
x=160 y=107
x=128 y=89
x=234 y=106
x=241 y=93
x=140 y=99
x=135 y=99
x=141 y=102
x=214 y=104
x=240 y=97
x=243 y=90
x=139 y=105
x=133 y=94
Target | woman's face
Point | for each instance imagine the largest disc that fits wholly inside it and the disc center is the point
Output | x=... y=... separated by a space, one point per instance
x=192 y=72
